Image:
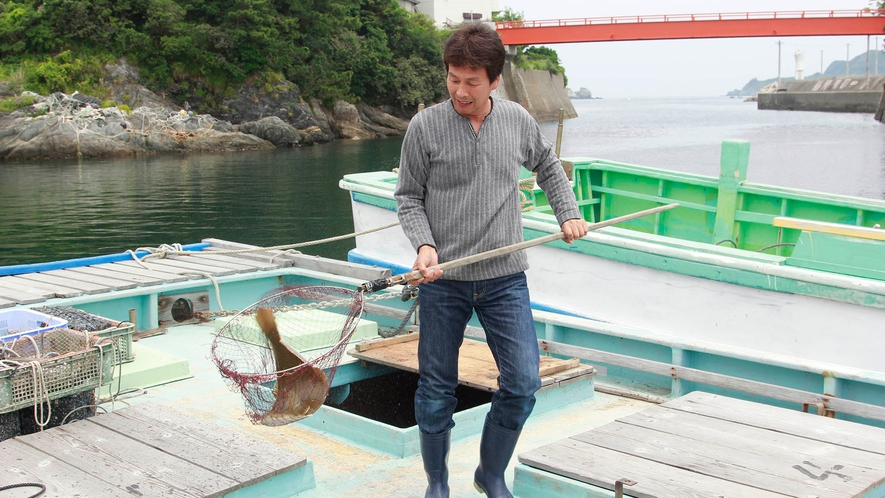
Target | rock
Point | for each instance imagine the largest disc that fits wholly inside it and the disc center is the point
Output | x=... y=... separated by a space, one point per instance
x=69 y=131
x=274 y=130
x=124 y=84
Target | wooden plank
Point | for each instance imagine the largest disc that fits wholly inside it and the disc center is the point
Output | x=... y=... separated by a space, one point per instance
x=8 y=282
x=307 y=262
x=22 y=463
x=261 y=459
x=61 y=291
x=242 y=459
x=267 y=256
x=559 y=366
x=199 y=258
x=380 y=343
x=85 y=287
x=730 y=435
x=831 y=228
x=179 y=266
x=828 y=430
x=117 y=458
x=112 y=283
x=716 y=379
x=109 y=272
x=602 y=467
x=476 y=365
x=770 y=470
x=234 y=259
x=21 y=297
x=134 y=268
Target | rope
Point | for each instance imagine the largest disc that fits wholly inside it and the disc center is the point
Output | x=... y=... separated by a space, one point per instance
x=26 y=485
x=175 y=249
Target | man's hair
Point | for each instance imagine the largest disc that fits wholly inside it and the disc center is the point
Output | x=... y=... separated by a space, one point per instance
x=475 y=45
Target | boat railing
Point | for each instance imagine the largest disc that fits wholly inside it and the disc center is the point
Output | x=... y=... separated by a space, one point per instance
x=728 y=210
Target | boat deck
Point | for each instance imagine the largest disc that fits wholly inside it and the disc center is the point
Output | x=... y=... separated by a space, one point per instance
x=76 y=281
x=152 y=450
x=707 y=445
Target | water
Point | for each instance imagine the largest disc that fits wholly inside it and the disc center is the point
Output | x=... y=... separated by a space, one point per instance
x=64 y=209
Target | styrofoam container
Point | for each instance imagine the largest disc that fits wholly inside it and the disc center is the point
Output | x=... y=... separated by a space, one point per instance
x=19 y=322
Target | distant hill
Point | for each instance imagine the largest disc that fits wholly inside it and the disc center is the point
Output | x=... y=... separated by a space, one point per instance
x=857 y=67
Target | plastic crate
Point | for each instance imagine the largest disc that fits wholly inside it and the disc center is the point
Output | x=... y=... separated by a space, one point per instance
x=18 y=322
x=68 y=373
x=121 y=333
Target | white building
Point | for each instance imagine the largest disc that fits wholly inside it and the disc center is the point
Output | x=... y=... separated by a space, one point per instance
x=450 y=13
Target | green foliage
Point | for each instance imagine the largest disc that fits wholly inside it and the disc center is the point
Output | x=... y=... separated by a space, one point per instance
x=65 y=73
x=108 y=103
x=531 y=58
x=125 y=108
x=13 y=103
x=198 y=50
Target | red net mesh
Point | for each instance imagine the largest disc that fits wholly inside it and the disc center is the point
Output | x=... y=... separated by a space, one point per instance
x=314 y=321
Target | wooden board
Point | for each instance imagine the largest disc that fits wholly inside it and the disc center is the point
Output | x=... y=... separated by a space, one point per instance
x=92 y=278
x=144 y=450
x=476 y=365
x=110 y=272
x=721 y=445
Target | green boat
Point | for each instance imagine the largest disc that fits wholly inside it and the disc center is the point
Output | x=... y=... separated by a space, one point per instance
x=762 y=269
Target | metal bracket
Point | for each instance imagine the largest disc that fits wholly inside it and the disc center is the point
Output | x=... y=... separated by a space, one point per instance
x=619 y=486
x=821 y=409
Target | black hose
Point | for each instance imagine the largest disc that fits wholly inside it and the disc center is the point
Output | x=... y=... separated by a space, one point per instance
x=26 y=485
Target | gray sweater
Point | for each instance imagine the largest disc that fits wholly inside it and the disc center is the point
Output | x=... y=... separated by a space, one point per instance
x=459 y=191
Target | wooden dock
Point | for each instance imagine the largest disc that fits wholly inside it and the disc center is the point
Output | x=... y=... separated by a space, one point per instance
x=74 y=281
x=151 y=450
x=708 y=445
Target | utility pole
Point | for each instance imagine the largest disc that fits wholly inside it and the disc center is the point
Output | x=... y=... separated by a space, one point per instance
x=877 y=56
x=779 y=43
x=868 y=56
x=821 y=63
x=847 y=59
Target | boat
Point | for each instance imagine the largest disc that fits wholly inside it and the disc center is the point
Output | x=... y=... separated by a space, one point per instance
x=623 y=410
x=772 y=270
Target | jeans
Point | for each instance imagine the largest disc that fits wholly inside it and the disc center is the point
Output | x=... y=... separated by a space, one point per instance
x=502 y=306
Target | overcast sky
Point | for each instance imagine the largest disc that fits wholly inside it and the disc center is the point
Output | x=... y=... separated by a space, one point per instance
x=687 y=67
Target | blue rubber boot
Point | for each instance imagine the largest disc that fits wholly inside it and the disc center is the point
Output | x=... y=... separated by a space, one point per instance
x=495 y=450
x=435 y=452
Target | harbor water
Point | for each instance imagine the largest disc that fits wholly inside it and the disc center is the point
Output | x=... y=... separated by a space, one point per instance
x=53 y=210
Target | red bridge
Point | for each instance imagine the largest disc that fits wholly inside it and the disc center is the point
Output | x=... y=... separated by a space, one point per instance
x=673 y=27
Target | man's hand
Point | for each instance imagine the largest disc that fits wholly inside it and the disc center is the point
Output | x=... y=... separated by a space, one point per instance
x=425 y=262
x=574 y=229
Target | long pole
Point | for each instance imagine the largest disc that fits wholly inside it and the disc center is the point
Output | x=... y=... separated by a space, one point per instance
x=868 y=56
x=847 y=59
x=384 y=283
x=779 y=43
x=821 y=63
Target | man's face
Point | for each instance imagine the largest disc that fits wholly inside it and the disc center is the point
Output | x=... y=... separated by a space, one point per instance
x=470 y=90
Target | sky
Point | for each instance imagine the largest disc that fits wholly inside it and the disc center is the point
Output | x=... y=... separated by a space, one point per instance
x=681 y=68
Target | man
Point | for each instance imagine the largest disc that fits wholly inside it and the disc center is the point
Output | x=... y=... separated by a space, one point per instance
x=457 y=195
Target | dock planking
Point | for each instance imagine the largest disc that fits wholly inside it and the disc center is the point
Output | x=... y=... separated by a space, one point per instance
x=32 y=288
x=476 y=365
x=718 y=446
x=148 y=450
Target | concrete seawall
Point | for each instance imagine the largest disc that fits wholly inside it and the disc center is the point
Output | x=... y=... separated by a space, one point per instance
x=542 y=93
x=839 y=94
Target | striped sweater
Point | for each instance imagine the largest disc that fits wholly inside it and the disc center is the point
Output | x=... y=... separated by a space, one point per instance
x=459 y=191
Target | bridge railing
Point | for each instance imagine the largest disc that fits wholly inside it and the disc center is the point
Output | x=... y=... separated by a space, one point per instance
x=731 y=16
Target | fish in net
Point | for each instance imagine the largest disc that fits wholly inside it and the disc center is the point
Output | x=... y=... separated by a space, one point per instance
x=282 y=352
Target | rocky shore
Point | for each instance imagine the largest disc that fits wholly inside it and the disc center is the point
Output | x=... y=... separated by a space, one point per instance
x=60 y=126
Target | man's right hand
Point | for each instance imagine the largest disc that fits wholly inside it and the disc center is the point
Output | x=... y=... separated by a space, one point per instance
x=426 y=263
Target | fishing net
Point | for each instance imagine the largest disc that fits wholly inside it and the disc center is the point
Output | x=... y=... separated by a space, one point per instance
x=282 y=352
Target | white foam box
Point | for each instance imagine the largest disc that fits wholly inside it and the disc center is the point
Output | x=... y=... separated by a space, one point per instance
x=302 y=329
